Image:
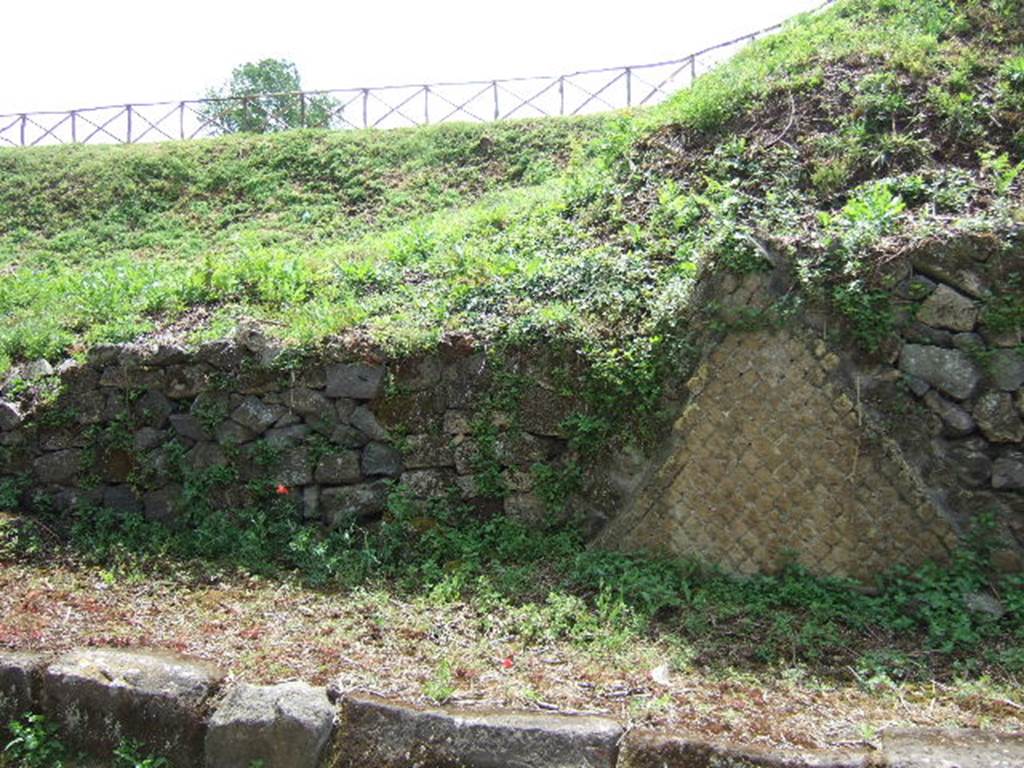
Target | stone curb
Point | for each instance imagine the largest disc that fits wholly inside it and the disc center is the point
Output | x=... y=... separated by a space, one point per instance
x=175 y=707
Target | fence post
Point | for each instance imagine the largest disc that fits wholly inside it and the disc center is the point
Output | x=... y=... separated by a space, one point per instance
x=74 y=127
x=128 y=110
x=366 y=101
x=561 y=95
x=426 y=105
x=181 y=119
x=24 y=121
x=494 y=87
x=302 y=109
x=693 y=69
x=629 y=87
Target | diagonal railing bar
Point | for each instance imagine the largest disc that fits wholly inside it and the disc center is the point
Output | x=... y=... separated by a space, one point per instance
x=204 y=119
x=103 y=128
x=154 y=126
x=51 y=131
x=528 y=101
x=397 y=110
x=462 y=107
x=596 y=95
x=644 y=80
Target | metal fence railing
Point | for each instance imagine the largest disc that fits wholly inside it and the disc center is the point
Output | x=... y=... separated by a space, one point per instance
x=389 y=106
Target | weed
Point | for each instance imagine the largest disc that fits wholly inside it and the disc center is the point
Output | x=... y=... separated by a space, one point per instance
x=441 y=686
x=34 y=744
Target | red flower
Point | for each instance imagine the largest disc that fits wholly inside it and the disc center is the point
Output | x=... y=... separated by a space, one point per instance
x=282 y=490
x=507 y=662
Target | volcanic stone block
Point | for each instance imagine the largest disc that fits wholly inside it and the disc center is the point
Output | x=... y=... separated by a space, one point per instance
x=998 y=418
x=58 y=467
x=381 y=460
x=949 y=370
x=279 y=726
x=388 y=735
x=256 y=415
x=353 y=502
x=20 y=679
x=356 y=380
x=946 y=308
x=339 y=468
x=102 y=697
x=10 y=415
x=964 y=748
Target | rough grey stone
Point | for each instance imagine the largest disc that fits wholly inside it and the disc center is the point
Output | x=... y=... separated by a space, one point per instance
x=205 y=455
x=121 y=498
x=465 y=378
x=1007 y=368
x=653 y=749
x=211 y=407
x=339 y=469
x=103 y=354
x=389 y=735
x=525 y=507
x=148 y=438
x=36 y=369
x=381 y=460
x=949 y=370
x=100 y=698
x=428 y=483
x=956 y=421
x=185 y=381
x=293 y=468
x=366 y=422
x=306 y=401
x=168 y=354
x=951 y=269
x=418 y=374
x=288 y=420
x=152 y=409
x=426 y=451
x=285 y=436
x=524 y=448
x=60 y=439
x=188 y=426
x=345 y=436
x=344 y=408
x=952 y=748
x=311 y=502
x=458 y=422
x=355 y=380
x=1008 y=473
x=20 y=679
x=232 y=433
x=90 y=407
x=10 y=415
x=280 y=726
x=916 y=385
x=968 y=342
x=998 y=418
x=919 y=333
x=946 y=308
x=986 y=603
x=257 y=416
x=973 y=468
x=224 y=354
x=58 y=467
x=163 y=504
x=353 y=502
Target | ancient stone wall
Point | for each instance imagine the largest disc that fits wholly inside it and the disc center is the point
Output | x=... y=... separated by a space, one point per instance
x=148 y=428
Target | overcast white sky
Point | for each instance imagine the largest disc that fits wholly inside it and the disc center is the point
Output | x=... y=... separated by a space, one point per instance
x=63 y=54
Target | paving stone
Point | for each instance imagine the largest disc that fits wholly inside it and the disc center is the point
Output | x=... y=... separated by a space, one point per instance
x=388 y=735
x=952 y=748
x=653 y=749
x=277 y=726
x=100 y=698
x=358 y=381
x=20 y=682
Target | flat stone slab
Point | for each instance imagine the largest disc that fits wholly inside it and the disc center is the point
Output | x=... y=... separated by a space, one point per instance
x=21 y=674
x=278 y=726
x=951 y=748
x=655 y=749
x=383 y=734
x=101 y=697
